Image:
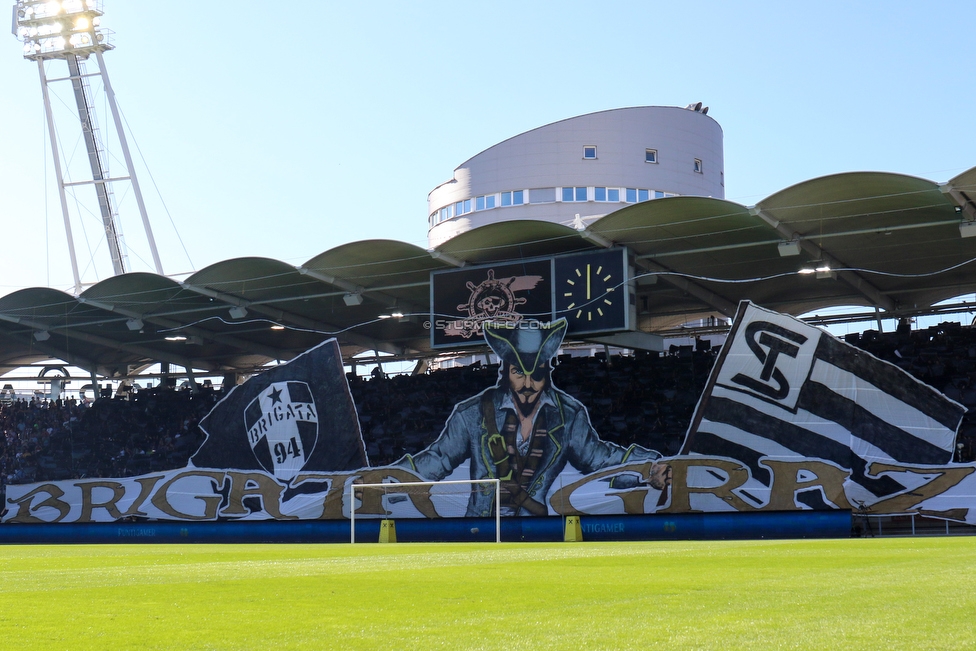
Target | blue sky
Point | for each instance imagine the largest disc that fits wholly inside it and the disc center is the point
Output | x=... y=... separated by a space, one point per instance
x=283 y=132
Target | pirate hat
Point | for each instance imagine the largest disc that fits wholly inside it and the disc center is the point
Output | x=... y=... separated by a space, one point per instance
x=526 y=345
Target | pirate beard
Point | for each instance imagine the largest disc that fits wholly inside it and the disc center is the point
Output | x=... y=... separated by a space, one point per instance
x=528 y=406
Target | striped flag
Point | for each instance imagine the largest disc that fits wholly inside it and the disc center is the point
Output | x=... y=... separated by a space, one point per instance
x=784 y=390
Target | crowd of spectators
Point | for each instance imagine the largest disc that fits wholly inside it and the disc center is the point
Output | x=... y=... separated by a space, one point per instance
x=646 y=399
x=48 y=440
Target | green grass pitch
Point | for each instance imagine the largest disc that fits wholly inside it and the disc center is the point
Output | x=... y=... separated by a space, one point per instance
x=892 y=593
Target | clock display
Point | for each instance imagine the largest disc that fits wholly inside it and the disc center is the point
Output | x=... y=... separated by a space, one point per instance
x=591 y=291
x=592 y=288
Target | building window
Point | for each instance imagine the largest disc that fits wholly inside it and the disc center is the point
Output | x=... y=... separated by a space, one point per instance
x=515 y=198
x=606 y=194
x=650 y=155
x=589 y=152
x=698 y=166
x=635 y=195
x=574 y=194
x=486 y=202
x=542 y=195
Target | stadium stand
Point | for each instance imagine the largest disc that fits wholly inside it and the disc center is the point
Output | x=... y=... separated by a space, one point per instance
x=51 y=440
x=646 y=399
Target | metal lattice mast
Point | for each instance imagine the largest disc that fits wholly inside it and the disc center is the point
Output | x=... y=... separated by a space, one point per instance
x=69 y=30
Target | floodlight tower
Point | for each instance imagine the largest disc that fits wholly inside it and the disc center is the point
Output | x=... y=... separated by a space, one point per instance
x=69 y=30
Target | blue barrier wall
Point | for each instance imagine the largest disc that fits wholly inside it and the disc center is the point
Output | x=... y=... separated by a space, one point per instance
x=684 y=526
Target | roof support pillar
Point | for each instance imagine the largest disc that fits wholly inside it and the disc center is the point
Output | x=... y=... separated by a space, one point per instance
x=720 y=303
x=148 y=353
x=352 y=288
x=852 y=278
x=280 y=316
x=449 y=259
x=961 y=199
x=207 y=335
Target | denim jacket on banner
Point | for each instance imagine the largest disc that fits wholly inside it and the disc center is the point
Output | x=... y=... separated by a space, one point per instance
x=572 y=439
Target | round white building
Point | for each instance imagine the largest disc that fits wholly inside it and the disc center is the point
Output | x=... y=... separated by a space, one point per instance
x=582 y=168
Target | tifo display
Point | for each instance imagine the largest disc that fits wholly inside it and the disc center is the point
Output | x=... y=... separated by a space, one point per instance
x=789 y=418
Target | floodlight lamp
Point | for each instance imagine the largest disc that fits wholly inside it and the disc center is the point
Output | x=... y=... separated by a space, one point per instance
x=134 y=324
x=176 y=338
x=397 y=315
x=816 y=267
x=353 y=299
x=787 y=249
x=277 y=327
x=82 y=23
x=238 y=312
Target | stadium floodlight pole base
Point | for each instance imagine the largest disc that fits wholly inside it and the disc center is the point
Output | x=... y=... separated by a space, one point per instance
x=460 y=495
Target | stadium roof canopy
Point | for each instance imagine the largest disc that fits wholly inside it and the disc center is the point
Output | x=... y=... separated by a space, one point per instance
x=894 y=242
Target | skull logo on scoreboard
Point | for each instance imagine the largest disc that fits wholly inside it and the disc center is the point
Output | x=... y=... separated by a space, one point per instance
x=282 y=427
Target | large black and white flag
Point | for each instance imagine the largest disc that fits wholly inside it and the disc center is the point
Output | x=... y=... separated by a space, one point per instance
x=785 y=390
x=293 y=417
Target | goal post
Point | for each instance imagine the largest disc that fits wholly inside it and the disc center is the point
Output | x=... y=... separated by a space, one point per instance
x=450 y=499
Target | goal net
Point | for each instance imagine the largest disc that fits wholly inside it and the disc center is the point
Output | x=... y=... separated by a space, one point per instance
x=422 y=499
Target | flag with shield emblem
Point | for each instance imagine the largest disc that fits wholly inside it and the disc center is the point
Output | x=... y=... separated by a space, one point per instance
x=293 y=417
x=282 y=427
